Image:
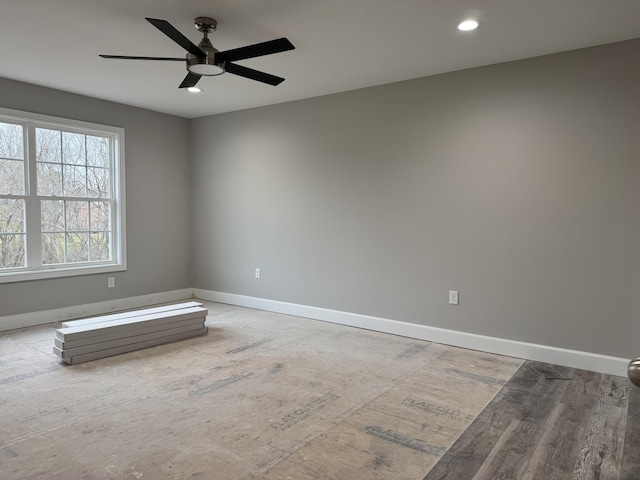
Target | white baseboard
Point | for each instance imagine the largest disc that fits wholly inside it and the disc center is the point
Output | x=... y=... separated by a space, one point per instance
x=529 y=351
x=31 y=319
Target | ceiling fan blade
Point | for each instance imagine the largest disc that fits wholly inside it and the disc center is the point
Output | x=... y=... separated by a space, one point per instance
x=257 y=50
x=253 y=74
x=190 y=80
x=127 y=57
x=171 y=32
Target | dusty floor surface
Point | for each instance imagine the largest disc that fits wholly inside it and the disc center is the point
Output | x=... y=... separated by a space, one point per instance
x=262 y=396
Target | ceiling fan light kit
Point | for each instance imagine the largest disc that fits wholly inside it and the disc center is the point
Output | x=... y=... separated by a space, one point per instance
x=205 y=67
x=206 y=60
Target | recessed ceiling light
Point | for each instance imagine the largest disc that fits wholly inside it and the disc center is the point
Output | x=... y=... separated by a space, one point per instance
x=194 y=90
x=468 y=25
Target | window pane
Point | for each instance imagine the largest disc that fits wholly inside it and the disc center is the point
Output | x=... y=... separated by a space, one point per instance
x=97 y=182
x=11 y=177
x=100 y=217
x=49 y=179
x=100 y=250
x=77 y=247
x=73 y=148
x=11 y=141
x=77 y=215
x=97 y=151
x=75 y=181
x=52 y=248
x=52 y=215
x=11 y=216
x=12 y=250
x=48 y=146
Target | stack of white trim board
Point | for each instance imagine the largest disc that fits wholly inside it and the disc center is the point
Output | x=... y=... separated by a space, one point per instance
x=103 y=336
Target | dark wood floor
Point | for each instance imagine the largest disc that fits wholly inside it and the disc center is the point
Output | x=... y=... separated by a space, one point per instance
x=551 y=423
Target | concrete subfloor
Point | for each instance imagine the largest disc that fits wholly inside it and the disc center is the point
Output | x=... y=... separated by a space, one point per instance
x=262 y=396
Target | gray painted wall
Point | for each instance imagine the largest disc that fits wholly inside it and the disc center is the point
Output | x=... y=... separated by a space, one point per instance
x=158 y=201
x=517 y=184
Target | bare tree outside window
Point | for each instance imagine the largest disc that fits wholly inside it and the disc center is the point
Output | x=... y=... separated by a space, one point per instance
x=12 y=233
x=72 y=165
x=12 y=211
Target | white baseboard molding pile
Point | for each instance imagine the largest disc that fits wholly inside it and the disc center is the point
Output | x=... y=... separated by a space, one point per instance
x=89 y=339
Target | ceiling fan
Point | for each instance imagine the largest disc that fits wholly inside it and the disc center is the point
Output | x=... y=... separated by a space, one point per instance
x=205 y=60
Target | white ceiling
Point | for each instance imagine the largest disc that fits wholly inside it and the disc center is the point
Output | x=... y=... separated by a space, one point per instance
x=340 y=44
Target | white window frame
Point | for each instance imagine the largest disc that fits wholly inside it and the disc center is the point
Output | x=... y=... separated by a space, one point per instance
x=38 y=271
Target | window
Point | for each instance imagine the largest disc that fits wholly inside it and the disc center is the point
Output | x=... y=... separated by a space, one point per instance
x=61 y=197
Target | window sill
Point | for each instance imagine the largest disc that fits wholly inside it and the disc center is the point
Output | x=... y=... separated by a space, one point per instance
x=45 y=274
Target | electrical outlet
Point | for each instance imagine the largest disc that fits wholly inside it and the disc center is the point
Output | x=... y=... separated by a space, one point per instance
x=453 y=297
x=111 y=282
x=258 y=273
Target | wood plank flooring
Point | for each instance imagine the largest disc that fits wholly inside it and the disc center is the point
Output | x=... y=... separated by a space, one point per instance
x=272 y=397
x=551 y=422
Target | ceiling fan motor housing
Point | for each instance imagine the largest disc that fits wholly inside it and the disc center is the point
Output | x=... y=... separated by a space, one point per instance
x=207 y=65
